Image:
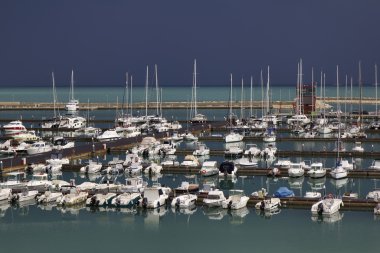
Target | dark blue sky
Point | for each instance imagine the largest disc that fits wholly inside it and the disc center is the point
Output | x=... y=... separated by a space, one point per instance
x=102 y=39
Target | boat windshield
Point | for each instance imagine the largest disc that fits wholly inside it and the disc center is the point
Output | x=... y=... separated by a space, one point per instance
x=213 y=196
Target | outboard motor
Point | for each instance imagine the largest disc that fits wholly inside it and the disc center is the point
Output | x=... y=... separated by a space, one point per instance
x=229 y=205
x=262 y=206
x=15 y=198
x=177 y=203
x=320 y=209
x=144 y=203
x=93 y=201
x=117 y=201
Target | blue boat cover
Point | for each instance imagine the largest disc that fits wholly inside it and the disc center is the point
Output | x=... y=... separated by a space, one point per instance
x=283 y=192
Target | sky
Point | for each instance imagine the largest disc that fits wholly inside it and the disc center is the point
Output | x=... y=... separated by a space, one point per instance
x=102 y=40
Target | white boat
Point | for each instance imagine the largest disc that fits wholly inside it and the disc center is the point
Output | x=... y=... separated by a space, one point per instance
x=338 y=172
x=134 y=169
x=88 y=131
x=109 y=135
x=214 y=198
x=153 y=168
x=316 y=170
x=269 y=152
x=154 y=197
x=39 y=182
x=326 y=206
x=246 y=162
x=24 y=196
x=375 y=195
x=72 y=122
x=296 y=170
x=346 y=164
x=197 y=118
x=252 y=150
x=49 y=197
x=5 y=194
x=233 y=137
x=176 y=137
x=187 y=136
x=56 y=159
x=26 y=136
x=15 y=180
x=126 y=200
x=375 y=165
x=269 y=204
x=39 y=147
x=73 y=198
x=61 y=143
x=184 y=201
x=190 y=161
x=358 y=147
x=100 y=199
x=376 y=210
x=232 y=150
x=73 y=104
x=209 y=168
x=92 y=167
x=236 y=200
x=134 y=184
x=324 y=129
x=298 y=119
x=283 y=163
x=14 y=128
x=313 y=195
x=201 y=150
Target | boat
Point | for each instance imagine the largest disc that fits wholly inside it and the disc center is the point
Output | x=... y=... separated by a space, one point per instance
x=313 y=195
x=154 y=197
x=246 y=162
x=300 y=119
x=317 y=170
x=269 y=135
x=109 y=135
x=197 y=118
x=5 y=194
x=184 y=201
x=376 y=210
x=283 y=192
x=49 y=197
x=26 y=136
x=214 y=198
x=209 y=168
x=134 y=184
x=274 y=172
x=327 y=206
x=153 y=168
x=15 y=180
x=73 y=104
x=201 y=150
x=39 y=182
x=190 y=161
x=227 y=169
x=260 y=193
x=91 y=168
x=358 y=147
x=296 y=170
x=375 y=165
x=24 y=196
x=61 y=143
x=282 y=163
x=73 y=198
x=268 y=204
x=186 y=187
x=252 y=150
x=176 y=137
x=269 y=152
x=233 y=150
x=187 y=136
x=375 y=195
x=233 y=137
x=236 y=200
x=39 y=147
x=126 y=200
x=338 y=172
x=14 y=128
x=100 y=199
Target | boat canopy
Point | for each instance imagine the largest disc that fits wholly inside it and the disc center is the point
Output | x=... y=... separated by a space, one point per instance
x=283 y=192
x=226 y=166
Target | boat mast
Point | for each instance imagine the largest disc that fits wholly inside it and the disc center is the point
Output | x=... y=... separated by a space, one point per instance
x=324 y=96
x=125 y=96
x=351 y=96
x=157 y=90
x=131 y=97
x=195 y=87
x=298 y=90
x=262 y=93
x=361 y=94
x=54 y=94
x=251 y=97
x=338 y=108
x=230 y=100
x=72 y=85
x=312 y=93
x=376 y=87
x=146 y=92
x=301 y=88
x=267 y=95
x=241 y=98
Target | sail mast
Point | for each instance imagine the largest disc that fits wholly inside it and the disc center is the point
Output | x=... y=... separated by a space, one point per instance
x=54 y=94
x=195 y=87
x=338 y=108
x=72 y=85
x=251 y=97
x=267 y=110
x=241 y=98
x=157 y=90
x=146 y=93
x=131 y=97
x=376 y=87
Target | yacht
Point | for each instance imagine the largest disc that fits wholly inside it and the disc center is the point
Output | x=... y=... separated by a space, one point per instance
x=154 y=197
x=233 y=137
x=5 y=194
x=252 y=150
x=15 y=180
x=227 y=168
x=269 y=204
x=91 y=168
x=100 y=199
x=338 y=172
x=190 y=161
x=184 y=201
x=39 y=147
x=14 y=128
x=296 y=170
x=358 y=147
x=214 y=198
x=127 y=200
x=109 y=135
x=375 y=165
x=201 y=150
x=298 y=119
x=24 y=196
x=317 y=170
x=61 y=143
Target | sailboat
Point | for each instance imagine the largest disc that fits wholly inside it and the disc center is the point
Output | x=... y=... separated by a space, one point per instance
x=232 y=136
x=339 y=171
x=323 y=127
x=197 y=118
x=73 y=104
